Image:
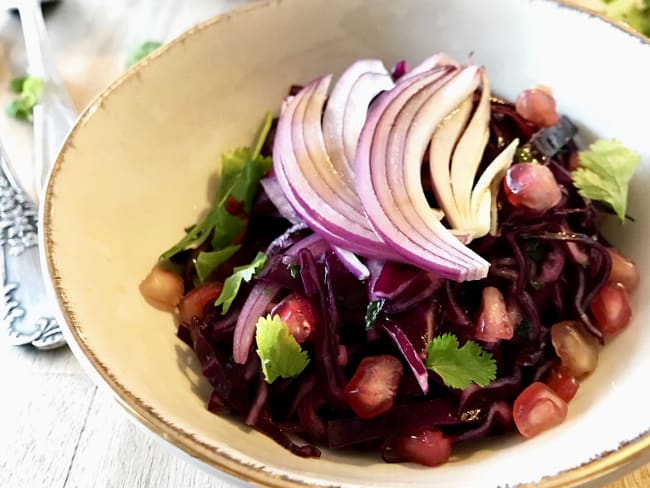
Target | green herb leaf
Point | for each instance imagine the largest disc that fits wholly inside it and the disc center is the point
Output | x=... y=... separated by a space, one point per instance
x=16 y=85
x=142 y=51
x=460 y=367
x=294 y=270
x=373 y=310
x=207 y=262
x=524 y=329
x=605 y=172
x=279 y=352
x=29 y=90
x=233 y=282
x=241 y=171
x=536 y=250
x=633 y=12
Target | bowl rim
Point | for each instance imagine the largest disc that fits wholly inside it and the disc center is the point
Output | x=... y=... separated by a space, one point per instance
x=606 y=463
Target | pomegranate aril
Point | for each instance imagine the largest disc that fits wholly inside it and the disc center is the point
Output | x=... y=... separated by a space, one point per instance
x=296 y=312
x=538 y=408
x=531 y=186
x=193 y=304
x=611 y=308
x=372 y=389
x=562 y=383
x=576 y=348
x=538 y=106
x=493 y=321
x=623 y=271
x=428 y=447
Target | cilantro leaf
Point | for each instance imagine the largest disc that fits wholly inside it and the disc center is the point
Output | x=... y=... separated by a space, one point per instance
x=29 y=90
x=279 y=352
x=142 y=51
x=605 y=172
x=233 y=282
x=241 y=171
x=207 y=262
x=16 y=85
x=633 y=12
x=373 y=310
x=535 y=249
x=294 y=270
x=524 y=329
x=459 y=367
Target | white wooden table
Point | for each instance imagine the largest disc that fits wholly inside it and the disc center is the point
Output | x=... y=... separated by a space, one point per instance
x=56 y=429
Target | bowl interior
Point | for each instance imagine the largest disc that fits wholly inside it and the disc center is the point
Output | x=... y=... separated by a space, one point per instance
x=137 y=167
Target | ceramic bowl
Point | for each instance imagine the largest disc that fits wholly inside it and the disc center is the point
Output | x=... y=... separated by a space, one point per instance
x=135 y=171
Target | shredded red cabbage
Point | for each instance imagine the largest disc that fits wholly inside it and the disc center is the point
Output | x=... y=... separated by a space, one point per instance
x=531 y=264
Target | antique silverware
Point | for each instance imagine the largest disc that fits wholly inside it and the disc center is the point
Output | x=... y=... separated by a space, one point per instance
x=54 y=114
x=27 y=309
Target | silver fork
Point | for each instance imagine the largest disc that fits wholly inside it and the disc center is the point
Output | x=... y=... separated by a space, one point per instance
x=27 y=307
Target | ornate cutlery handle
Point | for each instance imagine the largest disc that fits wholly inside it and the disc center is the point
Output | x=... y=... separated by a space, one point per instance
x=25 y=305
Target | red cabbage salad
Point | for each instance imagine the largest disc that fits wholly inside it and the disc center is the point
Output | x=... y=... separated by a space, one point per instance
x=402 y=262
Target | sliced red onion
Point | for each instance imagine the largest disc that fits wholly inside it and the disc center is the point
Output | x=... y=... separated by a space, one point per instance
x=352 y=263
x=299 y=151
x=426 y=109
x=374 y=267
x=437 y=59
x=310 y=133
x=408 y=351
x=258 y=300
x=400 y=69
x=396 y=133
x=346 y=111
x=276 y=195
x=468 y=153
x=440 y=152
x=483 y=201
x=469 y=211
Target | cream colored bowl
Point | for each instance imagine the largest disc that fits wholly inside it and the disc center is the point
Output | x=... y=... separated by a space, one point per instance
x=136 y=170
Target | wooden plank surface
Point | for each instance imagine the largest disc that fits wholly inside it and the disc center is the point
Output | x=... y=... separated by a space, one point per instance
x=56 y=429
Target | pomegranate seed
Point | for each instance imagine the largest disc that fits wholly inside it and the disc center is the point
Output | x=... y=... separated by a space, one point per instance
x=515 y=316
x=576 y=348
x=428 y=447
x=538 y=106
x=532 y=186
x=163 y=288
x=538 y=408
x=372 y=389
x=493 y=322
x=623 y=271
x=562 y=383
x=611 y=308
x=193 y=304
x=296 y=312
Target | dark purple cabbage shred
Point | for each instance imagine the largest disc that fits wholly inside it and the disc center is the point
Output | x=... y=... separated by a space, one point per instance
x=530 y=264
